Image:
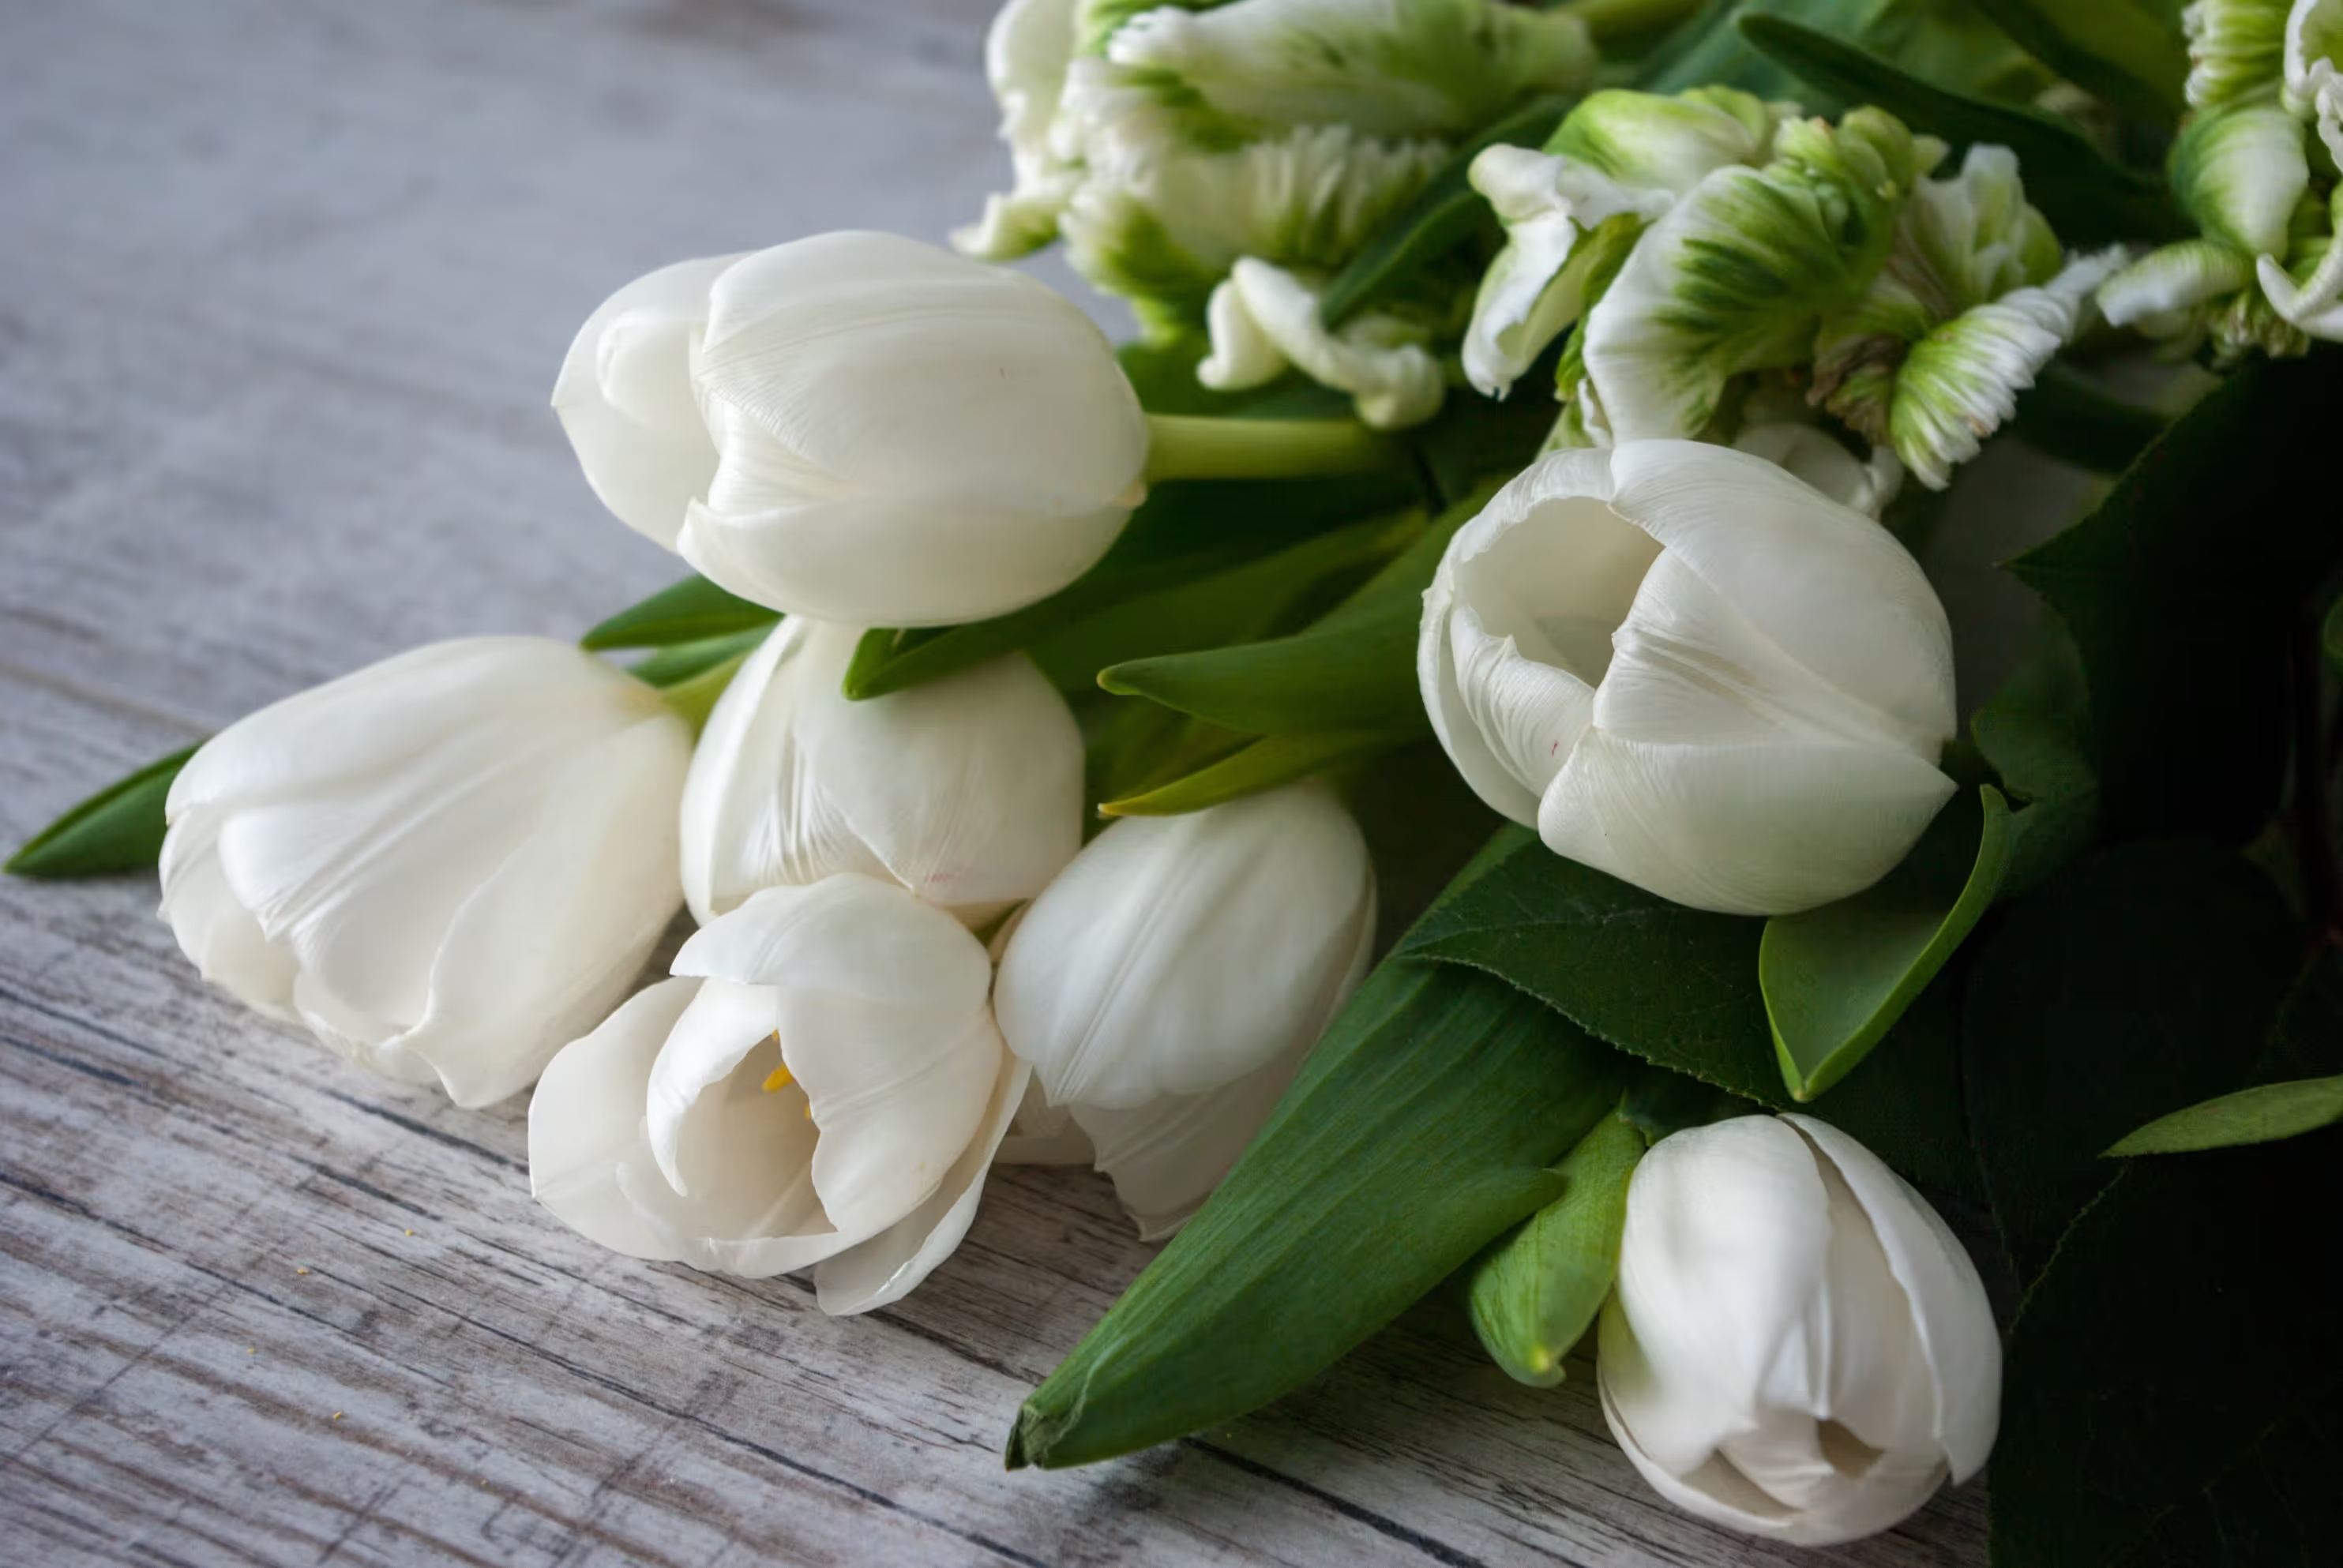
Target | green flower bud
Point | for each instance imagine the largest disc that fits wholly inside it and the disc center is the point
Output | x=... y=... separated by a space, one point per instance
x=2235 y=51
x=1536 y=1292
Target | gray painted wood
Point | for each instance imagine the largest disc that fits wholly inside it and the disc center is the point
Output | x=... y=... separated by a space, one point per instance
x=283 y=287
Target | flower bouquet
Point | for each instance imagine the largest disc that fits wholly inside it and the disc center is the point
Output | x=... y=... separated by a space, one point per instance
x=1437 y=767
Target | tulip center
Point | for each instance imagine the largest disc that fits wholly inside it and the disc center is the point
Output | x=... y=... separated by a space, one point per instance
x=1562 y=583
x=780 y=1078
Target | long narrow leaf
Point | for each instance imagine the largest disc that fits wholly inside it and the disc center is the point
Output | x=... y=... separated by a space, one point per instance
x=119 y=829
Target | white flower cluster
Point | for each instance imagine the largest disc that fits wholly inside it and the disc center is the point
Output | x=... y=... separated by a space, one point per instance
x=2254 y=169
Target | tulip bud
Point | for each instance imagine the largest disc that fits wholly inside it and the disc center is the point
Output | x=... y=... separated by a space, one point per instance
x=1692 y=670
x=966 y=791
x=859 y=428
x=1167 y=985
x=444 y=865
x=824 y=1088
x=1798 y=1348
x=2235 y=51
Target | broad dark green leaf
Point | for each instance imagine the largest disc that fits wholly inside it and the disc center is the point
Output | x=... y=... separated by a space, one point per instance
x=2066 y=415
x=1679 y=987
x=2306 y=1038
x=1423 y=1125
x=1836 y=979
x=2035 y=733
x=1263 y=764
x=1445 y=213
x=693 y=610
x=2141 y=980
x=673 y=665
x=2087 y=198
x=2184 y=590
x=1950 y=40
x=1186 y=530
x=119 y=829
x=2170 y=1393
x=2125 y=51
x=1534 y=1293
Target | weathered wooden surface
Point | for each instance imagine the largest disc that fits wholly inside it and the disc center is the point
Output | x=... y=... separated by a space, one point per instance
x=282 y=284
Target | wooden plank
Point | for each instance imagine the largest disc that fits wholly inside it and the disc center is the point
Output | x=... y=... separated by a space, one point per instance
x=285 y=289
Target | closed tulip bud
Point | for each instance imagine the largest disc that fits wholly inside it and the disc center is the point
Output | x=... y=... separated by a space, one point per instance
x=859 y=428
x=1688 y=669
x=1167 y=985
x=966 y=791
x=1798 y=1348
x=823 y=1087
x=445 y=866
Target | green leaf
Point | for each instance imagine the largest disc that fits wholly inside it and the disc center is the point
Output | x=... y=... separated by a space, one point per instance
x=1445 y=213
x=1186 y=530
x=2169 y=1394
x=2124 y=51
x=119 y=829
x=1836 y=979
x=1263 y=764
x=693 y=610
x=1360 y=677
x=2306 y=1037
x=1679 y=987
x=1950 y=38
x=2138 y=981
x=1535 y=1293
x=670 y=666
x=2088 y=199
x=2036 y=732
x=2066 y=415
x=2183 y=590
x=1421 y=1126
x=2330 y=637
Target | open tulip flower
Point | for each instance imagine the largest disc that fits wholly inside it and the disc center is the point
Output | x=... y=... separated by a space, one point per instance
x=1797 y=1347
x=821 y=1087
x=444 y=865
x=1693 y=670
x=1167 y=985
x=968 y=791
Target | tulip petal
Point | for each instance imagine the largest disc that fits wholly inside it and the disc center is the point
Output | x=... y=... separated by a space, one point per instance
x=1026 y=52
x=1166 y=1157
x=1177 y=953
x=1264 y=315
x=1816 y=458
x=1947 y=1301
x=585 y=1121
x=217 y=933
x=624 y=397
x=885 y=1268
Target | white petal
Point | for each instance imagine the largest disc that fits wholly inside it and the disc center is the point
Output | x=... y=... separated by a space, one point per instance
x=1392 y=377
x=2240 y=174
x=2315 y=305
x=586 y=1120
x=624 y=395
x=1947 y=1300
x=886 y=1267
x=1453 y=722
x=1813 y=455
x=966 y=791
x=2174 y=278
x=1026 y=52
x=215 y=931
x=1740 y=829
x=1167 y=1157
x=1177 y=953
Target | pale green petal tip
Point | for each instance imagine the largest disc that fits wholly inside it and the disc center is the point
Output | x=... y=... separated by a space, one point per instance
x=1263 y=319
x=2235 y=51
x=1654 y=141
x=2240 y=174
x=2158 y=293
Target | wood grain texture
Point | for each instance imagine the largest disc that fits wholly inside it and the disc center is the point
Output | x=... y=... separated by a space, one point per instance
x=283 y=287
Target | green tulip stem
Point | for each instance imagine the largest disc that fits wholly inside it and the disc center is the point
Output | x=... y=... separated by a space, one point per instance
x=1185 y=446
x=692 y=701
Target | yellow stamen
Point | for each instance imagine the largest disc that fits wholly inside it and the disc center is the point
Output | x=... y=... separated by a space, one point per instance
x=779 y=1078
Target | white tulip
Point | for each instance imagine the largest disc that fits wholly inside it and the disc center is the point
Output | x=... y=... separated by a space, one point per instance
x=825 y=1093
x=1688 y=669
x=1166 y=987
x=1797 y=1347
x=859 y=428
x=966 y=791
x=1264 y=321
x=445 y=865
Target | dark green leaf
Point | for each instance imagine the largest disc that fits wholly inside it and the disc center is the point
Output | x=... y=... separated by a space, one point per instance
x=2330 y=637
x=2088 y=199
x=2141 y=980
x=1444 y=215
x=1836 y=979
x=1950 y=39
x=1678 y=988
x=119 y=829
x=1264 y=764
x=2066 y=415
x=2184 y=590
x=1473 y=441
x=1186 y=530
x=693 y=610
x=2125 y=51
x=1536 y=1292
x=1361 y=676
x=2171 y=1386
x=2036 y=732
x=2307 y=1038
x=1421 y=1126
x=673 y=665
